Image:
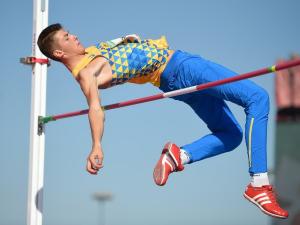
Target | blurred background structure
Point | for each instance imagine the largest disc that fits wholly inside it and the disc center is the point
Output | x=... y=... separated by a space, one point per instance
x=287 y=150
x=102 y=198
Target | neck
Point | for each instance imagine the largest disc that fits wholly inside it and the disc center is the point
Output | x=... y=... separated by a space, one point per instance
x=71 y=62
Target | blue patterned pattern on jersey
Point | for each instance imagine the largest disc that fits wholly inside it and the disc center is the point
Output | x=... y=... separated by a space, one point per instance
x=134 y=59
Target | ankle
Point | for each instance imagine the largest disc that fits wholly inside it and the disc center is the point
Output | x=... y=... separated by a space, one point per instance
x=259 y=179
x=184 y=156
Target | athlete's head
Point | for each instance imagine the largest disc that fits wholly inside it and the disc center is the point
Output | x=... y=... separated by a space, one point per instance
x=57 y=44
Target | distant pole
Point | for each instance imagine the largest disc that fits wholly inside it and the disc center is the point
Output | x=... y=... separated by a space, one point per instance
x=38 y=108
x=102 y=198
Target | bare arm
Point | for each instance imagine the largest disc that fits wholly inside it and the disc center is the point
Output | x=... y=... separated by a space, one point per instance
x=89 y=87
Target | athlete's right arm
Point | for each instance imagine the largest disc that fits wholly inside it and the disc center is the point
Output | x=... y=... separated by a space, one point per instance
x=89 y=87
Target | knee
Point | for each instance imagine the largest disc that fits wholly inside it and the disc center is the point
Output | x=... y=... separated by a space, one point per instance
x=233 y=137
x=264 y=97
x=260 y=101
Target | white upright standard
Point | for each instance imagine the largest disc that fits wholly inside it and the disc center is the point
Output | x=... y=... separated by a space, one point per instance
x=38 y=108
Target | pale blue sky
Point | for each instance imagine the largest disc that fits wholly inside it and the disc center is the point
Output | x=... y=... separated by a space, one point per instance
x=242 y=35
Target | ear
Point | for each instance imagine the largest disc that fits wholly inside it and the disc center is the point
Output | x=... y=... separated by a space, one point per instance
x=58 y=54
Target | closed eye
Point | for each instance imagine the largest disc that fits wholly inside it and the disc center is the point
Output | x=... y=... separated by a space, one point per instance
x=67 y=35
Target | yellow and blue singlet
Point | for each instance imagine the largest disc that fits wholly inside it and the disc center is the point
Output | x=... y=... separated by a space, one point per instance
x=131 y=61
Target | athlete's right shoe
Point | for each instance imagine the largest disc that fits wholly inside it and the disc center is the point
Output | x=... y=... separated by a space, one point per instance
x=264 y=197
x=168 y=162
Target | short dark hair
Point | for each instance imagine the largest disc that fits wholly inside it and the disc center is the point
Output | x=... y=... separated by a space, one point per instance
x=46 y=40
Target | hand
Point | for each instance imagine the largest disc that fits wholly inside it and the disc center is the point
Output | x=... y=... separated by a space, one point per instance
x=133 y=37
x=94 y=160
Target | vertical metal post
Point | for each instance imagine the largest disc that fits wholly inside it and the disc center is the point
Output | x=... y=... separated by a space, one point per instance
x=102 y=198
x=38 y=108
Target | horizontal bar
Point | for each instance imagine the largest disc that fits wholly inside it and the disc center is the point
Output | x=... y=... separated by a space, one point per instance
x=183 y=91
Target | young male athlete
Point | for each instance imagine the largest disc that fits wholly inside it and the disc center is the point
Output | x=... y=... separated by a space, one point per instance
x=130 y=59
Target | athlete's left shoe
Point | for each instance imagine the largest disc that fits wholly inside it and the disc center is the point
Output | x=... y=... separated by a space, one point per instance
x=168 y=162
x=264 y=197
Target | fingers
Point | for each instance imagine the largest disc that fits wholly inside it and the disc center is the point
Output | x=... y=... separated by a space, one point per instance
x=96 y=162
x=93 y=164
x=90 y=169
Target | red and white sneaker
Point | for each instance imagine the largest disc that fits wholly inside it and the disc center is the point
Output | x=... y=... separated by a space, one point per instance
x=264 y=197
x=168 y=162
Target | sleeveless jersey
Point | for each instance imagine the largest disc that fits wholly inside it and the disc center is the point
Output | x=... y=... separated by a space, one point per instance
x=131 y=61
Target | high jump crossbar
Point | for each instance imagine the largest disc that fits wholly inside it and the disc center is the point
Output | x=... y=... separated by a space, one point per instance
x=277 y=67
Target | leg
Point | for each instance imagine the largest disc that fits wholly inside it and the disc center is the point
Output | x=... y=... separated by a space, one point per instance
x=255 y=101
x=192 y=70
x=226 y=135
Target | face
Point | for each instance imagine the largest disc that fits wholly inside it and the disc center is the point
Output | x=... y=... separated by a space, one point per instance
x=67 y=45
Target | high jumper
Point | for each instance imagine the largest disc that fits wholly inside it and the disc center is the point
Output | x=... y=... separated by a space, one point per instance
x=130 y=59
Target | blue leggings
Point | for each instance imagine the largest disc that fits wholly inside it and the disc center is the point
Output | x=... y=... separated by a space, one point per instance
x=185 y=70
